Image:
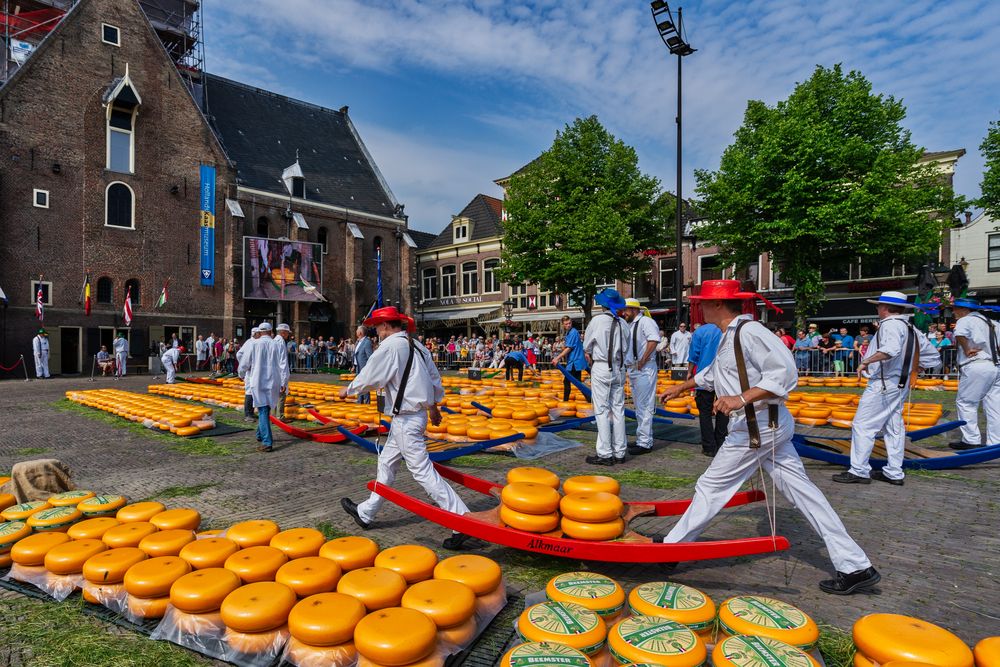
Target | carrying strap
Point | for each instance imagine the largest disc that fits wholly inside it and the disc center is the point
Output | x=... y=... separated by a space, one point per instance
x=398 y=403
x=611 y=342
x=741 y=369
x=993 y=338
x=908 y=371
x=635 y=337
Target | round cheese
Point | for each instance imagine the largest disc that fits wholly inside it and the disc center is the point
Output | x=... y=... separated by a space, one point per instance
x=109 y=567
x=676 y=602
x=350 y=553
x=102 y=594
x=101 y=505
x=531 y=523
x=309 y=576
x=166 y=542
x=375 y=587
x=479 y=573
x=143 y=511
x=147 y=607
x=68 y=498
x=30 y=551
x=256 y=533
x=447 y=603
x=656 y=640
x=530 y=498
x=749 y=651
x=413 y=561
x=92 y=528
x=181 y=518
x=196 y=624
x=22 y=511
x=433 y=660
x=127 y=534
x=395 y=636
x=459 y=635
x=203 y=591
x=305 y=655
x=210 y=552
x=563 y=622
x=766 y=617
x=544 y=654
x=591 y=507
x=325 y=619
x=591 y=484
x=6 y=500
x=152 y=578
x=11 y=532
x=596 y=592
x=258 y=607
x=68 y=558
x=256 y=563
x=594 y=532
x=533 y=475
x=886 y=637
x=987 y=652
x=299 y=542
x=254 y=643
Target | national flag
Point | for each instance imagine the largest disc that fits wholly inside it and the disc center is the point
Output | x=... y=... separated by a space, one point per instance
x=163 y=295
x=127 y=313
x=86 y=295
x=39 y=305
x=378 y=284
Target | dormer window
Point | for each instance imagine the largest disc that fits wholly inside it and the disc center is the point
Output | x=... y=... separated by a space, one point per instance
x=461 y=232
x=299 y=187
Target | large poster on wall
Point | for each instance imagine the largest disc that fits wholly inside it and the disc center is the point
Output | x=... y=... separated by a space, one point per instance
x=278 y=270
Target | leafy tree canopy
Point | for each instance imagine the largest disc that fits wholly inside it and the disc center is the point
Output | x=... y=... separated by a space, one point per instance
x=990 y=186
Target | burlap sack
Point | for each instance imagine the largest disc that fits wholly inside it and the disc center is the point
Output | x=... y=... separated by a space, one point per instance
x=37 y=480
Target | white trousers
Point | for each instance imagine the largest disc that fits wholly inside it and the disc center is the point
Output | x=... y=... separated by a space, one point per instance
x=42 y=365
x=643 y=384
x=122 y=359
x=735 y=463
x=406 y=442
x=980 y=383
x=171 y=371
x=607 y=395
x=879 y=411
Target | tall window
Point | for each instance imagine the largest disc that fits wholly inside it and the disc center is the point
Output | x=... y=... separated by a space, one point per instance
x=104 y=290
x=121 y=131
x=119 y=206
x=262 y=227
x=993 y=263
x=709 y=268
x=668 y=272
x=642 y=285
x=519 y=295
x=449 y=281
x=299 y=187
x=321 y=238
x=544 y=299
x=461 y=232
x=470 y=278
x=46 y=288
x=491 y=285
x=132 y=285
x=430 y=280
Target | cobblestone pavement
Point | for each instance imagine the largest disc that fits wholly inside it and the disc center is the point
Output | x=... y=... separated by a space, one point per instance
x=935 y=539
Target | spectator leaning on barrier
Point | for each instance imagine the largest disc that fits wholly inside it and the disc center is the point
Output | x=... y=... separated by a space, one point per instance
x=803 y=350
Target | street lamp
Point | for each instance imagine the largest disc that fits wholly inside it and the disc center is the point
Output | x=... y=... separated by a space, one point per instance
x=672 y=35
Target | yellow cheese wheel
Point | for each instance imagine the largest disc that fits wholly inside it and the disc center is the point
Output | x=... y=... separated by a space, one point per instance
x=153 y=577
x=256 y=563
x=92 y=528
x=479 y=573
x=907 y=663
x=885 y=637
x=255 y=533
x=591 y=484
x=22 y=511
x=30 y=551
x=530 y=498
x=563 y=622
x=413 y=561
x=185 y=431
x=595 y=532
x=457 y=429
x=534 y=475
x=109 y=567
x=69 y=558
x=209 y=533
x=532 y=523
x=447 y=603
x=254 y=643
x=862 y=661
x=351 y=552
x=675 y=602
x=987 y=652
x=459 y=635
x=6 y=500
x=147 y=607
x=11 y=532
x=325 y=619
x=203 y=591
x=749 y=651
x=258 y=607
x=166 y=542
x=196 y=624
x=503 y=413
x=766 y=617
x=309 y=576
x=299 y=542
x=128 y=534
x=596 y=592
x=435 y=659
x=544 y=654
x=656 y=640
x=68 y=498
x=209 y=552
x=102 y=594
x=375 y=587
x=305 y=655
x=591 y=507
x=101 y=505
x=143 y=511
x=478 y=433
x=181 y=518
x=395 y=636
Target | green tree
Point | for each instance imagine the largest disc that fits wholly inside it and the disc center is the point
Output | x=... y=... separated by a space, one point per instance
x=826 y=176
x=581 y=214
x=990 y=186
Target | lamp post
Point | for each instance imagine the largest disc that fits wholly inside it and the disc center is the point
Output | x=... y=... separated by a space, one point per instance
x=672 y=35
x=508 y=312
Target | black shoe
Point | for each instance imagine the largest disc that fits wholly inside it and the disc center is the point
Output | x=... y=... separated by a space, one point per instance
x=636 y=450
x=848 y=477
x=351 y=508
x=709 y=452
x=600 y=460
x=880 y=476
x=461 y=542
x=959 y=445
x=264 y=448
x=619 y=460
x=845 y=584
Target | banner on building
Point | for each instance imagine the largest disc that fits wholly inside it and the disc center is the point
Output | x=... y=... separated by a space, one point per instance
x=278 y=270
x=207 y=225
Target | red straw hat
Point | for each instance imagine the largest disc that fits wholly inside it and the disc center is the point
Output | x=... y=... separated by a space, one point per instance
x=389 y=314
x=725 y=290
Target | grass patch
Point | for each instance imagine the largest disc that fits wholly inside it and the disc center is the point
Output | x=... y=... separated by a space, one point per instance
x=680 y=454
x=50 y=634
x=363 y=460
x=329 y=532
x=481 y=461
x=181 y=491
x=652 y=480
x=533 y=570
x=938 y=474
x=28 y=451
x=204 y=447
x=836 y=646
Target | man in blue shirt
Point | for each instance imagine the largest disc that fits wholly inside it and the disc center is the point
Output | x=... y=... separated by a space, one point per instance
x=845 y=350
x=515 y=359
x=362 y=353
x=572 y=350
x=714 y=428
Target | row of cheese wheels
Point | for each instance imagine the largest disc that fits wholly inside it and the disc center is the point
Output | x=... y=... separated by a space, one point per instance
x=179 y=418
x=226 y=397
x=915 y=415
x=853 y=381
x=588 y=509
x=892 y=639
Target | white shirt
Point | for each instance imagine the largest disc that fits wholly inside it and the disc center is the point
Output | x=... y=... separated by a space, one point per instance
x=40 y=344
x=175 y=343
x=171 y=356
x=890 y=339
x=385 y=370
x=266 y=371
x=597 y=336
x=211 y=346
x=643 y=330
x=242 y=370
x=121 y=345
x=976 y=329
x=201 y=348
x=680 y=341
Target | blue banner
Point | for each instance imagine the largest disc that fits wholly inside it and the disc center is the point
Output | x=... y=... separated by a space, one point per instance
x=207 y=225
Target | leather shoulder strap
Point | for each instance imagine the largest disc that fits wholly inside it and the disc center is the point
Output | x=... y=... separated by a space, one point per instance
x=909 y=367
x=398 y=403
x=993 y=338
x=741 y=369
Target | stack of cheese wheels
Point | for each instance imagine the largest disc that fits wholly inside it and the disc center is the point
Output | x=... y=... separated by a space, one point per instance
x=22 y=511
x=481 y=574
x=591 y=508
x=65 y=562
x=197 y=596
x=148 y=584
x=309 y=575
x=11 y=532
x=375 y=587
x=766 y=617
x=563 y=622
x=256 y=533
x=208 y=552
x=254 y=564
x=749 y=651
x=67 y=498
x=414 y=562
x=143 y=511
x=530 y=500
x=596 y=592
x=56 y=519
x=882 y=638
x=651 y=639
x=396 y=636
x=450 y=604
x=255 y=616
x=322 y=629
x=28 y=554
x=101 y=505
x=676 y=602
x=544 y=654
x=351 y=552
x=987 y=652
x=105 y=571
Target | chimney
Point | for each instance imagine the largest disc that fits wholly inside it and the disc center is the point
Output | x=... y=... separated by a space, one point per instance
x=968 y=217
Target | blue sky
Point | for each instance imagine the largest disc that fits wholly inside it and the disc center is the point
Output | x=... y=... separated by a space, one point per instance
x=450 y=95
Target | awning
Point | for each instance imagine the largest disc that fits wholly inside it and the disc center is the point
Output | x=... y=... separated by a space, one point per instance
x=454 y=315
x=542 y=316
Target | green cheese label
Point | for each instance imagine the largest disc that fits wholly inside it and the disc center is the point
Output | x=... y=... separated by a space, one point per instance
x=767 y=612
x=562 y=618
x=98 y=501
x=10 y=529
x=69 y=495
x=666 y=595
x=54 y=514
x=657 y=635
x=544 y=654
x=749 y=651
x=585 y=585
x=25 y=507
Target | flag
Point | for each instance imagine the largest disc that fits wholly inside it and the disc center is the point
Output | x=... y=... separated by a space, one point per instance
x=370 y=311
x=163 y=295
x=127 y=313
x=378 y=284
x=39 y=305
x=86 y=295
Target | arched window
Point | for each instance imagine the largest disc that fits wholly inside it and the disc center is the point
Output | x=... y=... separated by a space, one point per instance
x=470 y=278
x=119 y=206
x=132 y=285
x=321 y=238
x=104 y=290
x=262 y=226
x=377 y=244
x=122 y=108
